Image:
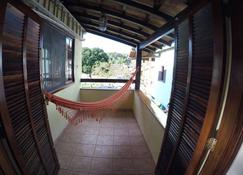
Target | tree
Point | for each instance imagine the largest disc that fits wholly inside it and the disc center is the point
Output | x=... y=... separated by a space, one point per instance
x=118 y=58
x=91 y=58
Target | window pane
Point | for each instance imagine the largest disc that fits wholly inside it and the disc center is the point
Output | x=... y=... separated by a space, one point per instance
x=57 y=60
x=156 y=78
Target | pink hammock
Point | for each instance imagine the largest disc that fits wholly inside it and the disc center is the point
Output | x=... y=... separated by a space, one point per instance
x=76 y=112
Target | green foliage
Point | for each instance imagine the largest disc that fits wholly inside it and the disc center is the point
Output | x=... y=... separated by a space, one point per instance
x=91 y=58
x=102 y=70
x=98 y=63
x=118 y=58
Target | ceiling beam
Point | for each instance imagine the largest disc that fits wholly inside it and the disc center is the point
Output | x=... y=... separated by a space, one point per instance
x=158 y=4
x=171 y=35
x=113 y=24
x=169 y=26
x=117 y=38
x=92 y=25
x=144 y=9
x=117 y=30
x=84 y=17
x=76 y=7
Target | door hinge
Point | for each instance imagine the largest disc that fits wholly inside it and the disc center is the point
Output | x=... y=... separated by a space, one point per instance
x=211 y=143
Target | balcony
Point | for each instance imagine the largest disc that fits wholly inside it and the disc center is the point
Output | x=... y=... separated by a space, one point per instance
x=204 y=129
x=114 y=146
x=126 y=141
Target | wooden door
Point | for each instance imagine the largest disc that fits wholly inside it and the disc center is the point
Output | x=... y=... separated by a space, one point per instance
x=6 y=166
x=196 y=90
x=229 y=133
x=23 y=110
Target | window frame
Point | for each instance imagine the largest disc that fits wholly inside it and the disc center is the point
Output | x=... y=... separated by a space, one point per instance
x=67 y=35
x=72 y=80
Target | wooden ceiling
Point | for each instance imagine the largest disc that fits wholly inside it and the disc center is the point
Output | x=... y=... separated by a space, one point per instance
x=128 y=21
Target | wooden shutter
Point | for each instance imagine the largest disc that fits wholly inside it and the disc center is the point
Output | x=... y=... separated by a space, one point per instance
x=6 y=166
x=178 y=96
x=200 y=83
x=22 y=105
x=190 y=103
x=35 y=97
x=230 y=132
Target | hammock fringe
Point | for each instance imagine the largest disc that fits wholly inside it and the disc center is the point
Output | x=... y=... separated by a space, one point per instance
x=77 y=112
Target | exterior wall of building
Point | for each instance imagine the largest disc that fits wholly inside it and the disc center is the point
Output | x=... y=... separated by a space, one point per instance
x=57 y=124
x=151 y=128
x=161 y=90
x=56 y=11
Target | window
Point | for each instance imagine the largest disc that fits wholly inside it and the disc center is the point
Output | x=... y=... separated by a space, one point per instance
x=105 y=63
x=57 y=59
x=69 y=59
x=156 y=78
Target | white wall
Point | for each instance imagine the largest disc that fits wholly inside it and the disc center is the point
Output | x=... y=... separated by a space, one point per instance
x=90 y=95
x=57 y=123
x=237 y=165
x=162 y=90
x=151 y=128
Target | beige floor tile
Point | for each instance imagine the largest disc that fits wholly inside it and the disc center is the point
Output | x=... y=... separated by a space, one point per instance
x=65 y=172
x=64 y=160
x=142 y=165
x=114 y=146
x=140 y=152
x=65 y=147
x=84 y=150
x=122 y=166
x=121 y=132
x=106 y=131
x=86 y=139
x=137 y=140
x=101 y=165
x=107 y=124
x=81 y=164
x=91 y=130
x=122 y=140
x=104 y=151
x=105 y=140
x=122 y=151
x=134 y=131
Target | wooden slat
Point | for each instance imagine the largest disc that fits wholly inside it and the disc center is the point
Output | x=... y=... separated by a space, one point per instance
x=201 y=50
x=23 y=105
x=29 y=33
x=175 y=116
x=11 y=64
x=35 y=95
x=193 y=92
x=229 y=135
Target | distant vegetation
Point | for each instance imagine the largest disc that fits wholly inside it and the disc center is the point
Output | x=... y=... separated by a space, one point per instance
x=96 y=62
x=91 y=58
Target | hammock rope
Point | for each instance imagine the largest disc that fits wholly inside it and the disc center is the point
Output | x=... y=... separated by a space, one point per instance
x=77 y=112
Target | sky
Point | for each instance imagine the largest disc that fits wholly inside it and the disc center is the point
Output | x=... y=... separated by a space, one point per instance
x=107 y=45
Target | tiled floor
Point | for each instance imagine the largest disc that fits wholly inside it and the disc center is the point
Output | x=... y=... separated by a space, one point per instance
x=114 y=146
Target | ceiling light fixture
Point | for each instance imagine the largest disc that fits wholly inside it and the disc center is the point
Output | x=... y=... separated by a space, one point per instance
x=103 y=23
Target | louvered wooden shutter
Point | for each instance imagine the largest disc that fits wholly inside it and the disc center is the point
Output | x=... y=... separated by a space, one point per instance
x=178 y=96
x=22 y=105
x=200 y=84
x=192 y=86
